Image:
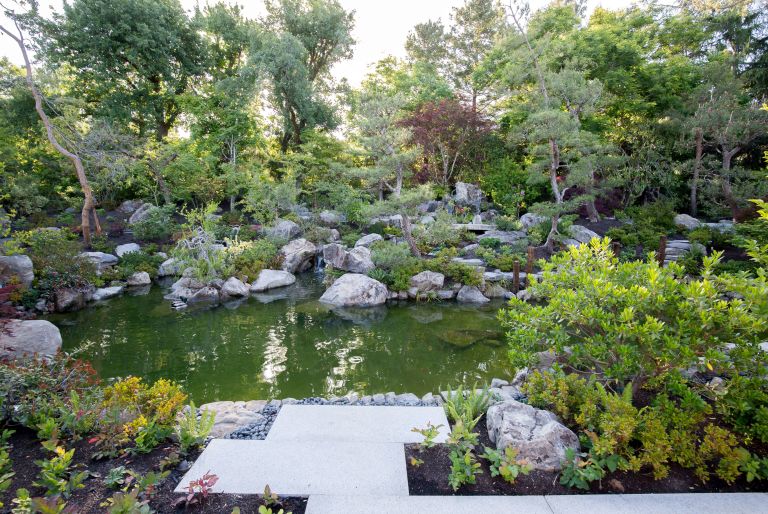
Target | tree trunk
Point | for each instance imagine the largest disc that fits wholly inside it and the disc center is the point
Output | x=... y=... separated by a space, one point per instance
x=88 y=202
x=696 y=170
x=727 y=190
x=550 y=242
x=408 y=236
x=592 y=213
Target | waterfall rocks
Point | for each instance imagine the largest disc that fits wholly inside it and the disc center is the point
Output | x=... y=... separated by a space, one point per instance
x=298 y=255
x=355 y=289
x=271 y=279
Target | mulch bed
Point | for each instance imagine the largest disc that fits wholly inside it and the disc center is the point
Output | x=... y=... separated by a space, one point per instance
x=26 y=449
x=431 y=478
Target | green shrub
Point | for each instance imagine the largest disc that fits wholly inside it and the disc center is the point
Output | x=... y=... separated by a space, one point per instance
x=157 y=225
x=133 y=262
x=467 y=405
x=646 y=225
x=709 y=237
x=437 y=234
x=745 y=406
x=350 y=238
x=388 y=255
x=490 y=242
x=248 y=259
x=507 y=223
x=192 y=431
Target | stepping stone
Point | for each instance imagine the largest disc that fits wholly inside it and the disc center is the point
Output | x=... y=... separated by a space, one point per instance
x=302 y=468
x=346 y=423
x=442 y=504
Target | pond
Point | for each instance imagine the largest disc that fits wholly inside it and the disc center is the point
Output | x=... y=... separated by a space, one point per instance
x=286 y=344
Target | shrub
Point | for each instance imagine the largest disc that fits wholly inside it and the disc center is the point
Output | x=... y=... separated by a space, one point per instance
x=388 y=256
x=439 y=233
x=192 y=431
x=467 y=405
x=157 y=225
x=507 y=223
x=246 y=259
x=646 y=225
x=350 y=238
x=133 y=262
x=615 y=318
x=745 y=406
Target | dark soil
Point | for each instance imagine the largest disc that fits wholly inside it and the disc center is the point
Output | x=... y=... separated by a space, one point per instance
x=26 y=449
x=431 y=478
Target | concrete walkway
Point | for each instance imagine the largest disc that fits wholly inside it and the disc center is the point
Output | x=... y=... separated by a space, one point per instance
x=350 y=460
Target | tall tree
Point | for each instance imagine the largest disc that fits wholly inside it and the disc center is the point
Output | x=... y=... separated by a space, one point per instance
x=134 y=58
x=301 y=41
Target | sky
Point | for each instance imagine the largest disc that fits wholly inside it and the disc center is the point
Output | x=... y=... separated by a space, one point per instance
x=381 y=26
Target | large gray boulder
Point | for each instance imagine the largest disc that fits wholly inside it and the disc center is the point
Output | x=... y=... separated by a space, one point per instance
x=129 y=206
x=358 y=260
x=334 y=254
x=70 y=300
x=506 y=237
x=331 y=218
x=169 y=267
x=686 y=222
x=271 y=279
x=100 y=259
x=471 y=294
x=207 y=294
x=138 y=279
x=582 y=234
x=530 y=219
x=298 y=255
x=428 y=281
x=104 y=293
x=229 y=416
x=19 y=266
x=121 y=250
x=355 y=290
x=234 y=288
x=140 y=214
x=368 y=240
x=537 y=434
x=467 y=194
x=29 y=337
x=284 y=229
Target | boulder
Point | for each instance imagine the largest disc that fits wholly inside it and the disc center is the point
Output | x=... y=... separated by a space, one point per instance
x=127 y=248
x=335 y=235
x=494 y=291
x=29 y=337
x=234 y=288
x=100 y=259
x=445 y=294
x=207 y=294
x=284 y=229
x=358 y=260
x=537 y=434
x=19 y=266
x=271 y=279
x=298 y=255
x=169 y=267
x=530 y=219
x=471 y=294
x=368 y=240
x=69 y=300
x=355 y=289
x=582 y=234
x=467 y=194
x=104 y=293
x=331 y=218
x=430 y=206
x=229 y=416
x=140 y=214
x=428 y=281
x=138 y=279
x=686 y=222
x=129 y=206
x=506 y=237
x=334 y=254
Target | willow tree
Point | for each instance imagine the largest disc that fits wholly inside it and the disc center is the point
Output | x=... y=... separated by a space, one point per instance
x=89 y=209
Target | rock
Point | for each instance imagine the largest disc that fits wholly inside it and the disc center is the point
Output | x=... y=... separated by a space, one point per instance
x=582 y=234
x=100 y=259
x=140 y=278
x=530 y=219
x=469 y=250
x=140 y=214
x=354 y=289
x=428 y=281
x=467 y=194
x=568 y=242
x=445 y=294
x=69 y=300
x=466 y=337
x=368 y=240
x=430 y=206
x=334 y=254
x=494 y=291
x=498 y=382
x=687 y=222
x=129 y=206
x=127 y=248
x=524 y=295
x=427 y=220
x=469 y=262
x=358 y=260
x=722 y=226
x=234 y=288
x=169 y=267
x=537 y=434
x=104 y=293
x=229 y=416
x=395 y=220
x=331 y=218
x=19 y=266
x=471 y=294
x=335 y=235
x=284 y=229
x=271 y=279
x=207 y=294
x=298 y=255
x=29 y=337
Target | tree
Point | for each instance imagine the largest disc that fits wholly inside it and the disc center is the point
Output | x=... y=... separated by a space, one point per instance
x=134 y=58
x=405 y=205
x=89 y=207
x=444 y=131
x=427 y=43
x=301 y=41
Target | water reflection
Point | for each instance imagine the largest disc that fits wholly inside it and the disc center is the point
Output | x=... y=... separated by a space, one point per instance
x=291 y=345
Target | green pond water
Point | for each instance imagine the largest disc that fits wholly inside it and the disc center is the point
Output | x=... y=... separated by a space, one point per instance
x=286 y=344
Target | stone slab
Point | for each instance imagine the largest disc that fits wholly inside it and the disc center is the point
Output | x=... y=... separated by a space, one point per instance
x=319 y=504
x=347 y=423
x=682 y=503
x=302 y=468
